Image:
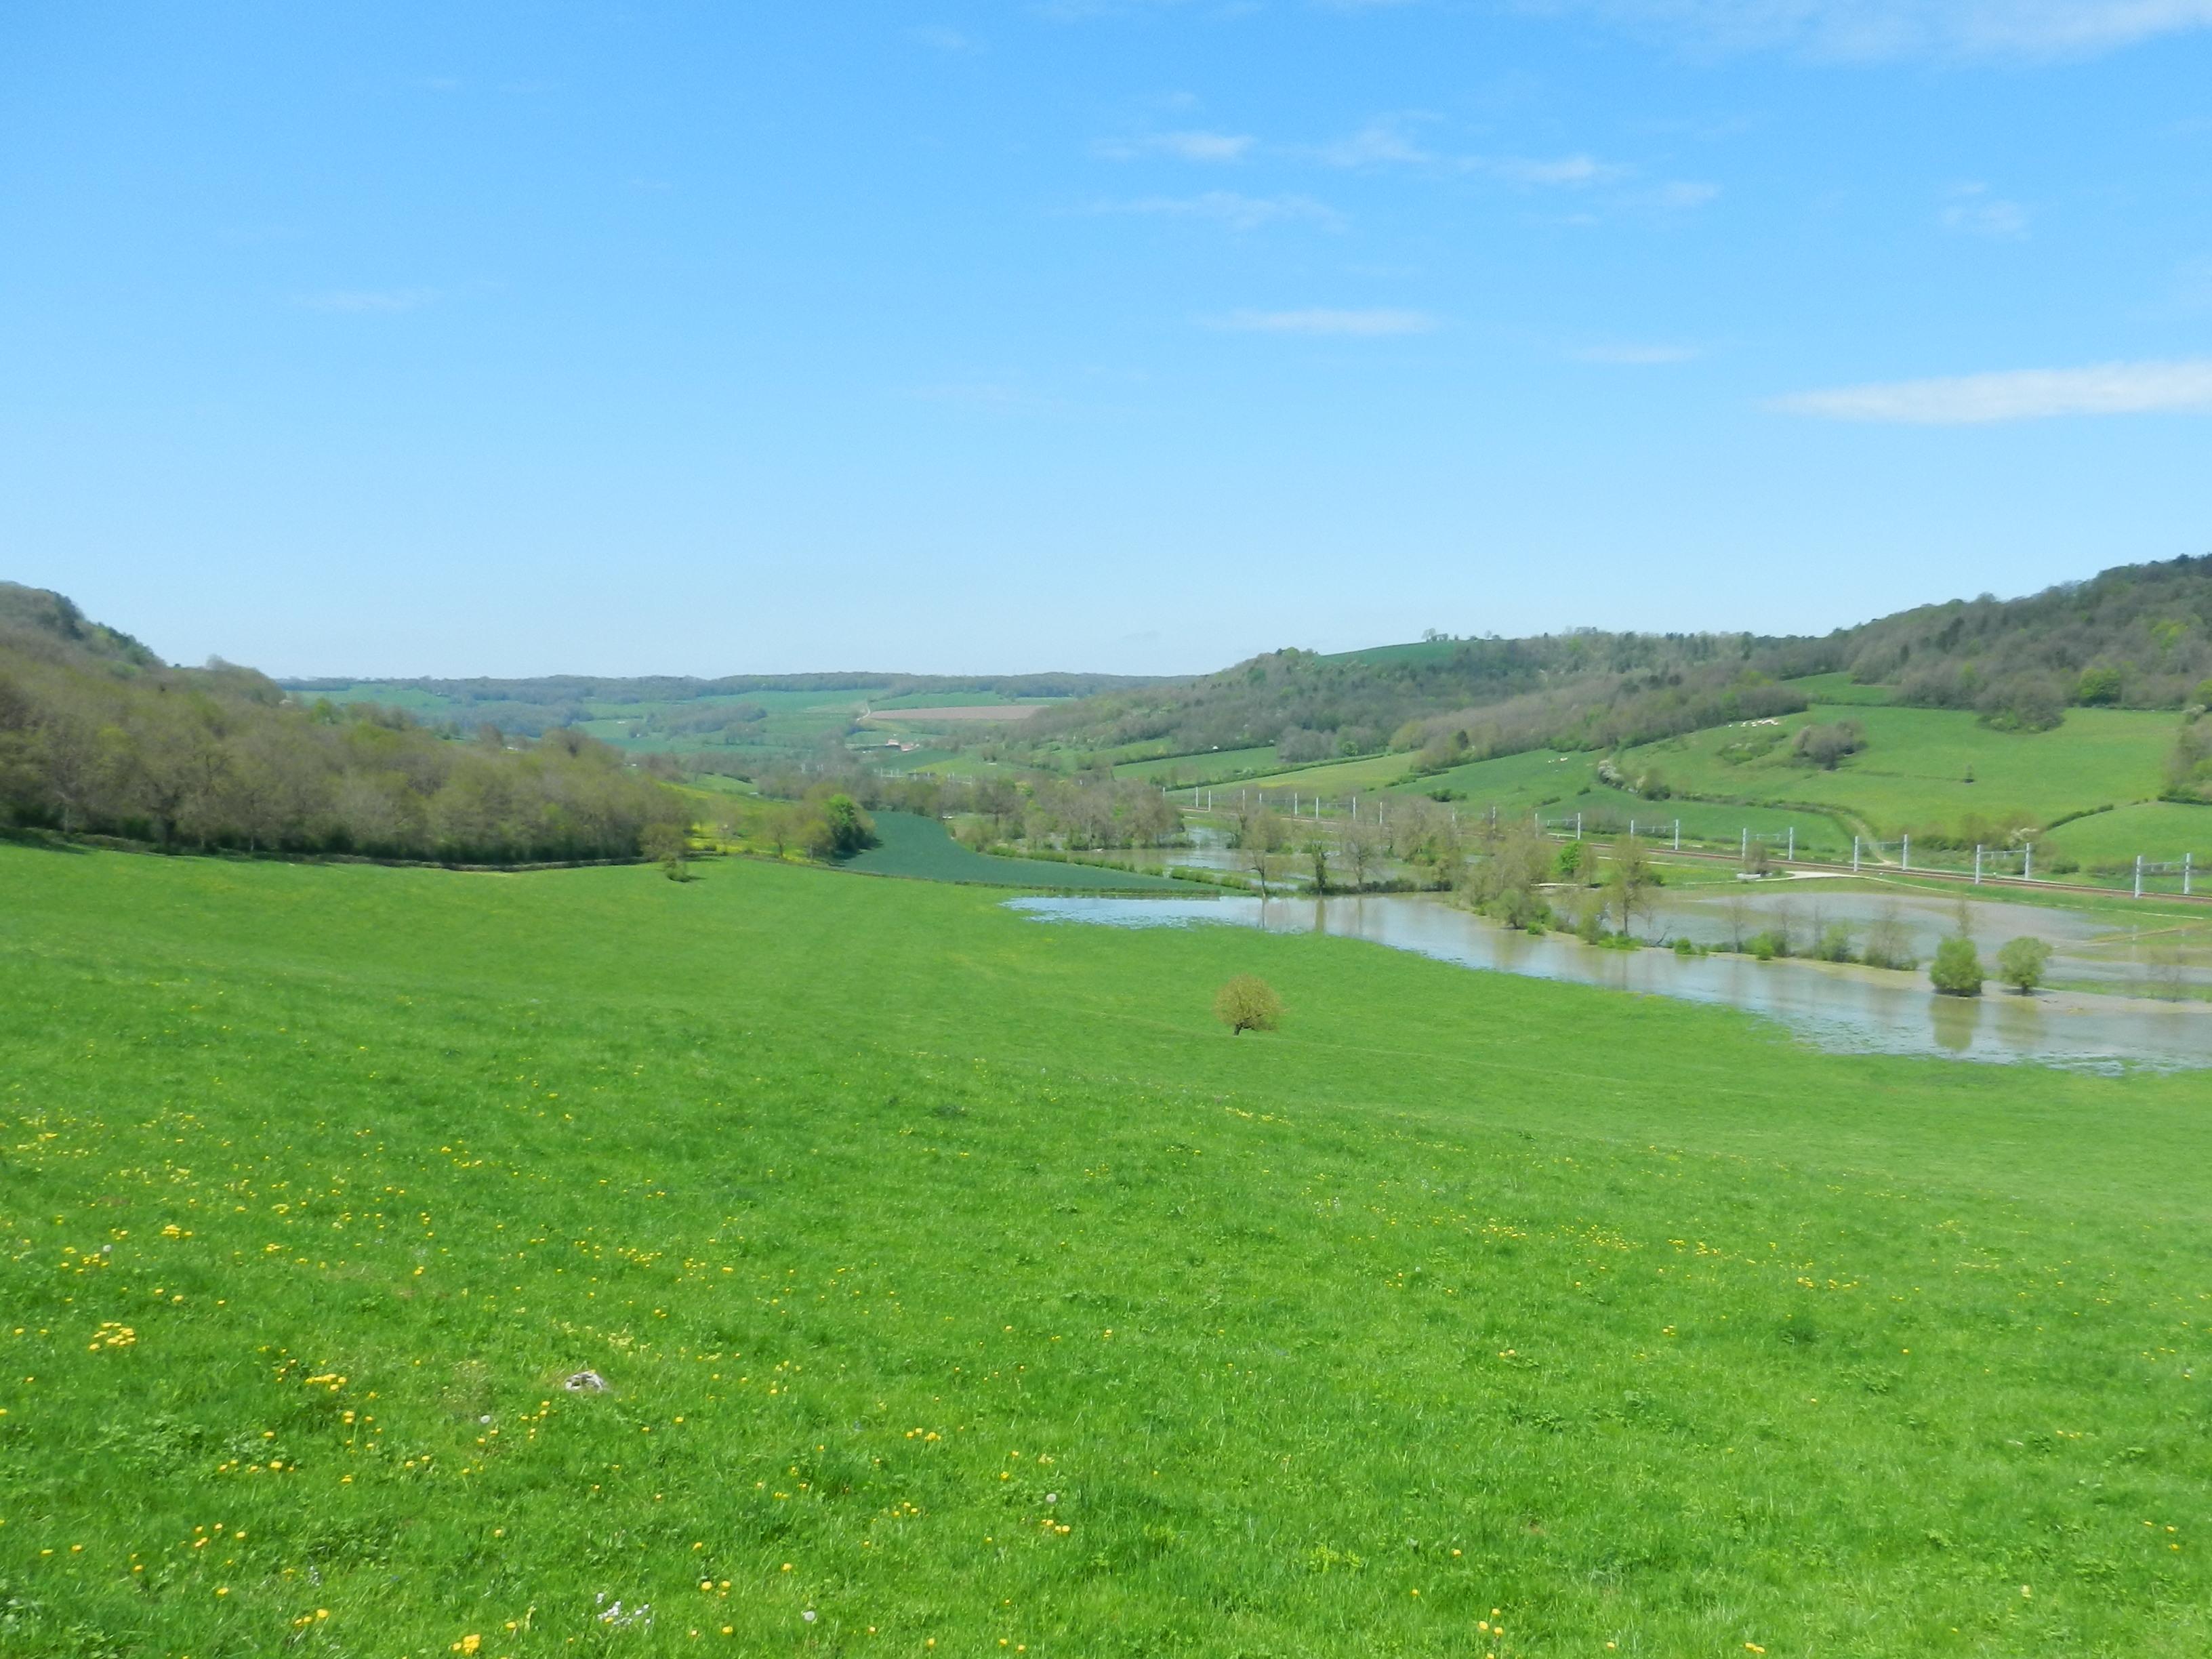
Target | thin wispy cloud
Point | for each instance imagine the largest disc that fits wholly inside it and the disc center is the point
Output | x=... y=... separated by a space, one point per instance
x=1392 y=142
x=1973 y=211
x=1634 y=356
x=1681 y=195
x=1320 y=320
x=938 y=37
x=1880 y=29
x=361 y=301
x=1379 y=144
x=1228 y=207
x=1215 y=146
x=1565 y=170
x=2178 y=386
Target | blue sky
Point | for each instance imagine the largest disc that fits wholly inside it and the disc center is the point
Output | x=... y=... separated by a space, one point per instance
x=1107 y=334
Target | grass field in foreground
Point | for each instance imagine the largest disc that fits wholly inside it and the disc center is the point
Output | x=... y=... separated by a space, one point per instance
x=922 y=848
x=958 y=1282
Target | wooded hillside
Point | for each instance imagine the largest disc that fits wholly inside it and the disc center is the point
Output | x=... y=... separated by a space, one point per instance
x=97 y=735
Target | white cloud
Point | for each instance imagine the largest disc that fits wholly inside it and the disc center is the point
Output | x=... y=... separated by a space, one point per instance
x=1681 y=195
x=1973 y=211
x=938 y=37
x=1368 y=325
x=1634 y=356
x=1868 y=29
x=1562 y=170
x=1384 y=142
x=363 y=301
x=2018 y=395
x=1227 y=207
x=1390 y=141
x=1184 y=146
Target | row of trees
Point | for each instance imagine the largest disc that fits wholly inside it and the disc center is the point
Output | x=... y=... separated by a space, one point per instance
x=93 y=741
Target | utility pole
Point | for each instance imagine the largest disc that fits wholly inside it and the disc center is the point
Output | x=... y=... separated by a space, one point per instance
x=1678 y=835
x=2139 y=875
x=1977 y=864
x=2028 y=862
x=1905 y=856
x=1790 y=857
x=1854 y=855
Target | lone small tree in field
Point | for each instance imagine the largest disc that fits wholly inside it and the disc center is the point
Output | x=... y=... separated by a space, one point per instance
x=666 y=845
x=2021 y=964
x=1248 y=1003
x=1957 y=970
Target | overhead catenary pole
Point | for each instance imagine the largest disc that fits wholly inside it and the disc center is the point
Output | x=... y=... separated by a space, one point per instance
x=2139 y=875
x=1790 y=856
x=1904 y=855
x=1977 y=864
x=1854 y=855
x=2187 y=861
x=1678 y=835
x=2028 y=862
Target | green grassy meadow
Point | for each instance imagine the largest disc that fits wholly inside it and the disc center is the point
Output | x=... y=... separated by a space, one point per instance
x=962 y=1288
x=1214 y=766
x=923 y=849
x=1914 y=770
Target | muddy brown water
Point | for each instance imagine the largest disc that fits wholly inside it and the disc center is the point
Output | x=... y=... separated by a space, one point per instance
x=1842 y=1008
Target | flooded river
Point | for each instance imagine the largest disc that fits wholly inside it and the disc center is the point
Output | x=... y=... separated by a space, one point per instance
x=1839 y=1007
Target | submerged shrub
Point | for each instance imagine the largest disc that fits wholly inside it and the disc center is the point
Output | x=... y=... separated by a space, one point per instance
x=1957 y=970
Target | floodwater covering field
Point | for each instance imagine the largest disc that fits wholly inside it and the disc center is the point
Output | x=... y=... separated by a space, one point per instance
x=1840 y=1006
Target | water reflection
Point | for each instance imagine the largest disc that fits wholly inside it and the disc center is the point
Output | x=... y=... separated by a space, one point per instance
x=1840 y=1006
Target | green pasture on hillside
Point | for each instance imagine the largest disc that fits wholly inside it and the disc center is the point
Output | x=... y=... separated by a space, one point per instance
x=958 y=1282
x=1913 y=774
x=1366 y=775
x=923 y=848
x=2160 y=830
x=1214 y=765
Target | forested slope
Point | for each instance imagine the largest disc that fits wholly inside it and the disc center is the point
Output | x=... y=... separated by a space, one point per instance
x=2135 y=637
x=96 y=734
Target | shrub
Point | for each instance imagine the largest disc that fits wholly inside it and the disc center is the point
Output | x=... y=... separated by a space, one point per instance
x=2097 y=685
x=2021 y=963
x=1957 y=970
x=1248 y=1003
x=665 y=845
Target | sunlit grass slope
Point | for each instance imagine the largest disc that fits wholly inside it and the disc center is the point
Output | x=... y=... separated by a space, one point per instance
x=1915 y=769
x=958 y=1281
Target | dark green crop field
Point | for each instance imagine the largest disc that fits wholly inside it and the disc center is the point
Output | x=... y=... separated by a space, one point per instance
x=923 y=848
x=960 y=1287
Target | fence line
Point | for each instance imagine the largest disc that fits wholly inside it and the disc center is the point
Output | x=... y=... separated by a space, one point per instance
x=2143 y=877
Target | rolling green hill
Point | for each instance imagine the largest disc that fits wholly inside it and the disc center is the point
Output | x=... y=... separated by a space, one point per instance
x=956 y=1281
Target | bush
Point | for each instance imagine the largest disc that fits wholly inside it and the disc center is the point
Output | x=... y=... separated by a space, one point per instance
x=2022 y=963
x=1248 y=1003
x=1957 y=970
x=2097 y=685
x=665 y=845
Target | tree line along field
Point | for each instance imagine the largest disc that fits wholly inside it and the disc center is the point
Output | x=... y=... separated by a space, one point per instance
x=958 y=1281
